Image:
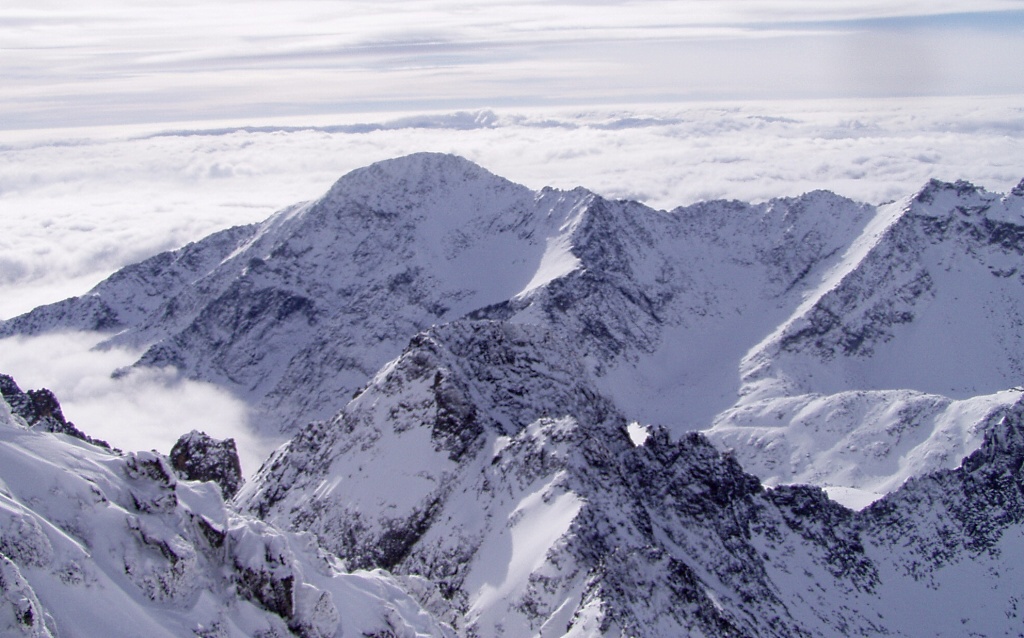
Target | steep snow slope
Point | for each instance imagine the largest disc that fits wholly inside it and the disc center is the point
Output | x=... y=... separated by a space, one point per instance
x=928 y=300
x=98 y=544
x=871 y=441
x=894 y=365
x=484 y=459
x=678 y=298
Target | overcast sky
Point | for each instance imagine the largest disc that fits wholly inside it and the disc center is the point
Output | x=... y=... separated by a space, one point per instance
x=128 y=127
x=123 y=61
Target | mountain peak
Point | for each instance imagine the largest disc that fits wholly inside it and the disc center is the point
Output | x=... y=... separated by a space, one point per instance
x=1018 y=190
x=419 y=176
x=422 y=164
x=936 y=186
x=938 y=199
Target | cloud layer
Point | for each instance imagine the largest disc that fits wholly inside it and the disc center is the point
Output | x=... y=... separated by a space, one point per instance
x=146 y=409
x=77 y=206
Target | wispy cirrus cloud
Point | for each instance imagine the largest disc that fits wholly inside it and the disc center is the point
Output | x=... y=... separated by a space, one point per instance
x=115 y=61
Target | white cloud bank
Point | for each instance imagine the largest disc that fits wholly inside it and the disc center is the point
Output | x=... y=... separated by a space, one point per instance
x=146 y=409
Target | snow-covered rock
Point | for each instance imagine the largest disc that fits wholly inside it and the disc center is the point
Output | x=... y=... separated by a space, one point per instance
x=21 y=613
x=41 y=410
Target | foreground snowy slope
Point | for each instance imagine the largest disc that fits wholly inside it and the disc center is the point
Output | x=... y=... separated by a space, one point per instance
x=820 y=339
x=94 y=543
x=485 y=469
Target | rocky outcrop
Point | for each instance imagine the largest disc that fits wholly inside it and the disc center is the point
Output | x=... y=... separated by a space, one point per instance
x=41 y=410
x=21 y=613
x=199 y=457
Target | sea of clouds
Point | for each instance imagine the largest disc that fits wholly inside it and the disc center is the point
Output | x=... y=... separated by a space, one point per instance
x=145 y=409
x=77 y=205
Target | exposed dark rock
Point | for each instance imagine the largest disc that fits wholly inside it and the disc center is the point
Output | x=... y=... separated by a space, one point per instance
x=42 y=411
x=154 y=482
x=198 y=457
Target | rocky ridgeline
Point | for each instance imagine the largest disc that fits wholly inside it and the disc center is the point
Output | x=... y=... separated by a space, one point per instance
x=544 y=516
x=41 y=410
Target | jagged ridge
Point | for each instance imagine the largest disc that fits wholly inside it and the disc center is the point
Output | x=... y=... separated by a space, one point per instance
x=551 y=520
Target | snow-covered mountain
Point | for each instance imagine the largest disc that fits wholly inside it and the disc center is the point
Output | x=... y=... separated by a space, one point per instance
x=899 y=356
x=757 y=321
x=99 y=543
x=318 y=297
x=491 y=392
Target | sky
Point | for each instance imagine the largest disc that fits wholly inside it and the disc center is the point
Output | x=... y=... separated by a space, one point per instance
x=131 y=127
x=131 y=61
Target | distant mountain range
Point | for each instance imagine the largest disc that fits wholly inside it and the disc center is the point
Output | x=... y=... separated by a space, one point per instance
x=493 y=393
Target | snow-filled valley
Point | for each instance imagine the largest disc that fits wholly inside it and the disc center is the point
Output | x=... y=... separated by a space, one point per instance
x=534 y=413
